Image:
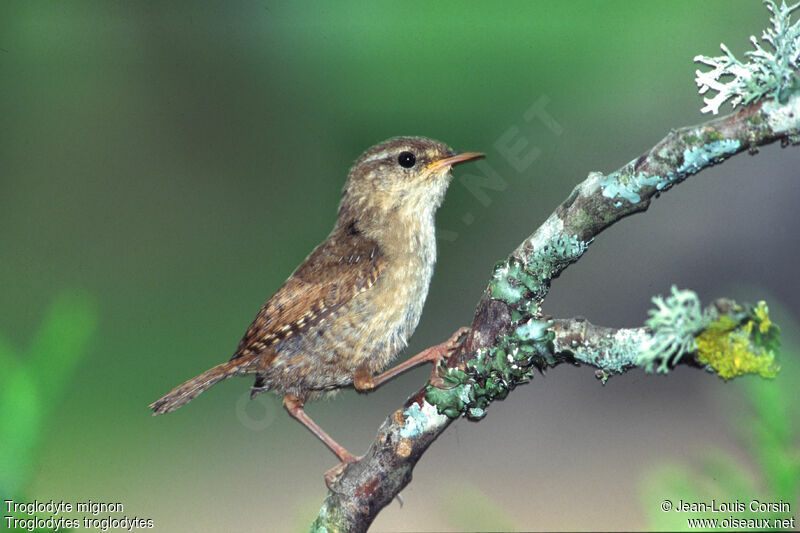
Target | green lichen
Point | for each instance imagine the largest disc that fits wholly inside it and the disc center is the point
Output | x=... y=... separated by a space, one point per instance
x=493 y=372
x=532 y=330
x=630 y=186
x=328 y=520
x=769 y=72
x=612 y=354
x=747 y=346
x=511 y=281
x=616 y=188
x=552 y=258
x=625 y=185
x=415 y=422
x=691 y=139
x=711 y=136
x=523 y=285
x=674 y=324
x=697 y=158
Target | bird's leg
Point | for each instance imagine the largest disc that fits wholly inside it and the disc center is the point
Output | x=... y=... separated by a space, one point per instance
x=294 y=405
x=364 y=381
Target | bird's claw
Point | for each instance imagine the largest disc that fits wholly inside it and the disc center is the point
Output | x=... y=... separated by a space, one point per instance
x=334 y=473
x=455 y=340
x=448 y=347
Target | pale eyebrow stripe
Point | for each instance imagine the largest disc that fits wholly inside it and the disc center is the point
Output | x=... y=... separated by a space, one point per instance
x=380 y=155
x=385 y=153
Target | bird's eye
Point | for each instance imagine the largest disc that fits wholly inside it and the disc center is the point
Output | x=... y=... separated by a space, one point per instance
x=406 y=159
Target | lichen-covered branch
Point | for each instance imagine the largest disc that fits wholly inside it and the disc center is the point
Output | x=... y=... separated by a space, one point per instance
x=510 y=338
x=726 y=338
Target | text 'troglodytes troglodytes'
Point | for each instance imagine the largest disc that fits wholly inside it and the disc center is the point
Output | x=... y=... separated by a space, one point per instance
x=352 y=305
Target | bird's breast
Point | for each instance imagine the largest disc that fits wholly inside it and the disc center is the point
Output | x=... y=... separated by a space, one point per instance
x=369 y=330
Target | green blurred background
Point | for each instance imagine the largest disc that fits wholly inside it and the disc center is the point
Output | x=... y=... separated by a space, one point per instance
x=165 y=166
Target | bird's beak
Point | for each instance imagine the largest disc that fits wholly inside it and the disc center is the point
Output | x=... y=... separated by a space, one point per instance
x=448 y=162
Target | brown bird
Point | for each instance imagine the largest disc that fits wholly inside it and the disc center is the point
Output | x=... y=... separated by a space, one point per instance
x=352 y=305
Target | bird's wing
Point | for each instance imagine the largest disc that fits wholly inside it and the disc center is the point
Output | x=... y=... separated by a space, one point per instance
x=337 y=270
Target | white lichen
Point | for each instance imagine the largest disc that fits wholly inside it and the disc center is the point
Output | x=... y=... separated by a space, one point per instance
x=549 y=230
x=767 y=73
x=419 y=420
x=613 y=354
x=674 y=323
x=697 y=158
x=783 y=118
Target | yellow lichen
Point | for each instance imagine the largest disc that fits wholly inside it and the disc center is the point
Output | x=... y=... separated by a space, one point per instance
x=762 y=314
x=729 y=351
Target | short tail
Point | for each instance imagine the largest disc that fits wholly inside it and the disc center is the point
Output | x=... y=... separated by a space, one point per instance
x=191 y=389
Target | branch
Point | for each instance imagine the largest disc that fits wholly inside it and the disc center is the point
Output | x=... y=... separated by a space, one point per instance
x=509 y=338
x=728 y=339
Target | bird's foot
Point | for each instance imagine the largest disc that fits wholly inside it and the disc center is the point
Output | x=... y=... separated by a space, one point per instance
x=443 y=352
x=455 y=340
x=333 y=474
x=437 y=381
x=364 y=381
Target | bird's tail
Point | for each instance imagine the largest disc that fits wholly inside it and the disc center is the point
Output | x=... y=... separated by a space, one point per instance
x=191 y=389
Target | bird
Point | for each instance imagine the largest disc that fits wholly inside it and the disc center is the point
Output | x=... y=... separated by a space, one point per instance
x=351 y=306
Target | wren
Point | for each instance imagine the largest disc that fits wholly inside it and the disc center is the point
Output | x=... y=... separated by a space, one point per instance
x=352 y=305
